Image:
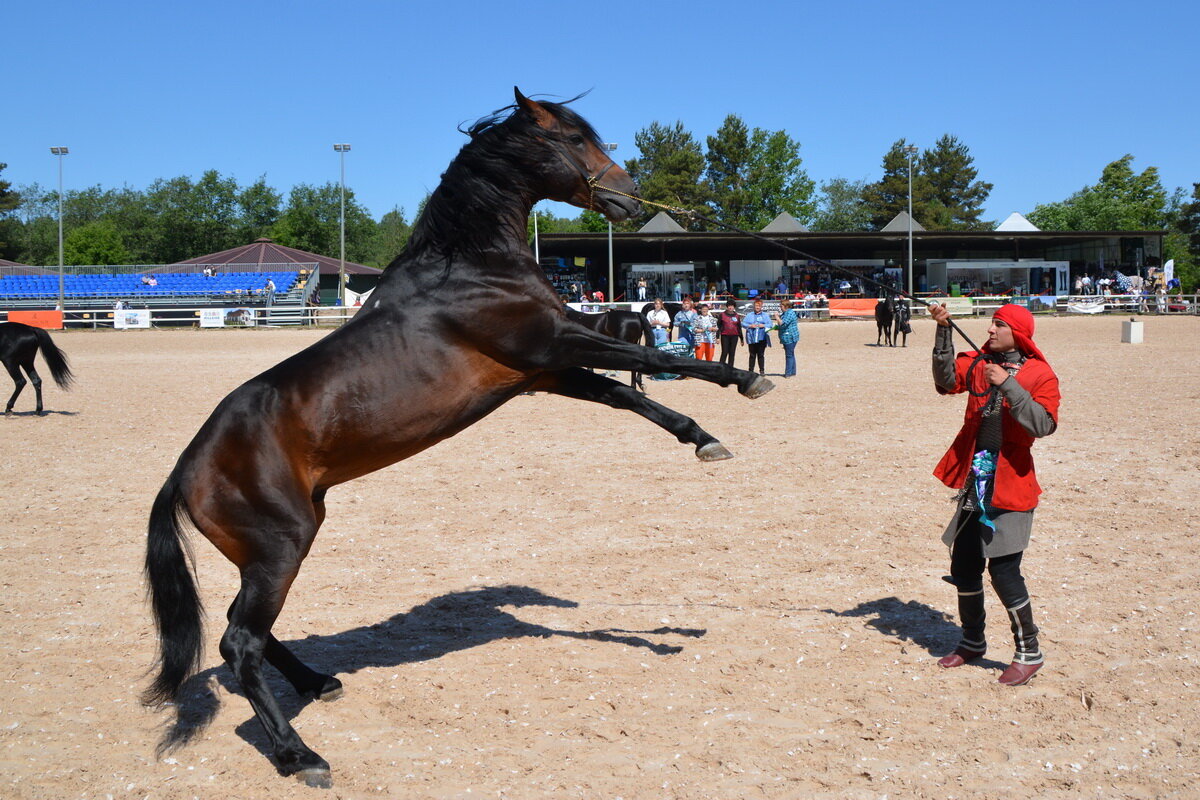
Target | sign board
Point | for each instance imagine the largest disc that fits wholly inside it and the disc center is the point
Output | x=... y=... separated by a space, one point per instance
x=52 y=320
x=131 y=318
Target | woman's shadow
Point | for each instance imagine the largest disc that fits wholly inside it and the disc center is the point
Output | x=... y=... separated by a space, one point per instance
x=445 y=624
x=914 y=622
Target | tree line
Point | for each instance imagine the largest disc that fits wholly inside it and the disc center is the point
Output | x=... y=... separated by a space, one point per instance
x=742 y=175
x=176 y=219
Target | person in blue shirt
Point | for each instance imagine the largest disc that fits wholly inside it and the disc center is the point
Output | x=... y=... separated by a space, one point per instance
x=684 y=319
x=755 y=325
x=789 y=335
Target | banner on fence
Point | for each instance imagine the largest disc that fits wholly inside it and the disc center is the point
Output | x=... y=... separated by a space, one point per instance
x=52 y=320
x=852 y=307
x=131 y=318
x=227 y=317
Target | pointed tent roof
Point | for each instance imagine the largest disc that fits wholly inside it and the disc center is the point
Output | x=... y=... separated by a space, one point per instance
x=1017 y=222
x=899 y=224
x=785 y=223
x=662 y=223
x=265 y=251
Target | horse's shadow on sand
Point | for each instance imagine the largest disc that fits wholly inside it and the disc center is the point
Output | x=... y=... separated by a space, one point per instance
x=913 y=622
x=445 y=624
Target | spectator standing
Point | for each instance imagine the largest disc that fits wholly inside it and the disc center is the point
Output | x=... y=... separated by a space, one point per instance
x=730 y=327
x=270 y=290
x=660 y=322
x=756 y=324
x=789 y=335
x=684 y=320
x=704 y=329
x=677 y=291
x=1014 y=398
x=641 y=288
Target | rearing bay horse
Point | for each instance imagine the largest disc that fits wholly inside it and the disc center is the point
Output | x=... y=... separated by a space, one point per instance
x=19 y=345
x=462 y=321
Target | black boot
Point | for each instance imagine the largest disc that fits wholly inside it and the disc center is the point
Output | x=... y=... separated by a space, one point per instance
x=1028 y=658
x=971 y=615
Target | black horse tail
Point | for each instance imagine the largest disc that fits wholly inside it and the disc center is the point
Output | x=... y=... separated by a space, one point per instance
x=173 y=596
x=647 y=331
x=55 y=358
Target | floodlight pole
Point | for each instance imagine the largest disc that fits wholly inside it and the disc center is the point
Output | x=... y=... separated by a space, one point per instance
x=910 y=150
x=62 y=305
x=342 y=149
x=612 y=287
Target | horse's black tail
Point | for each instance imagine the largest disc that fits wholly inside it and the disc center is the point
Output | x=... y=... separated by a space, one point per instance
x=173 y=596
x=55 y=358
x=647 y=331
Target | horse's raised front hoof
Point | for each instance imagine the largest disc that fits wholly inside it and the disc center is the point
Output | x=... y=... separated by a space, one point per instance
x=713 y=451
x=315 y=777
x=330 y=690
x=758 y=387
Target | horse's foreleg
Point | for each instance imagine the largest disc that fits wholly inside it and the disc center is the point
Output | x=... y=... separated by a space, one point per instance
x=576 y=346
x=583 y=385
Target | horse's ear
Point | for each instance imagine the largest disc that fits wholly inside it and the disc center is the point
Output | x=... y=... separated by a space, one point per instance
x=534 y=109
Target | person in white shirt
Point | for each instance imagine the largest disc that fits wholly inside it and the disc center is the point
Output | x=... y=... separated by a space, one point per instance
x=660 y=321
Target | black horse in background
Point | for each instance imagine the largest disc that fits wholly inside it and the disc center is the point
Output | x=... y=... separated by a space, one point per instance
x=19 y=345
x=902 y=324
x=885 y=313
x=461 y=322
x=627 y=326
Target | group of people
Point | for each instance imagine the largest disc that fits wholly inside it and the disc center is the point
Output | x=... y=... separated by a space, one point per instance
x=702 y=331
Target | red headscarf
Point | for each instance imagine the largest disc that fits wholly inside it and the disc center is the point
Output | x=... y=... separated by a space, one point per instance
x=1020 y=321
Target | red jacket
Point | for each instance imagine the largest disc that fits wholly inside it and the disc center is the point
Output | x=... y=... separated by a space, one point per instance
x=1016 y=487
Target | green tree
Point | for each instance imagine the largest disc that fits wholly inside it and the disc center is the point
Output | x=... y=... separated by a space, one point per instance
x=390 y=237
x=260 y=207
x=754 y=175
x=1183 y=241
x=668 y=171
x=95 y=243
x=1123 y=200
x=842 y=207
x=311 y=222
x=956 y=197
x=888 y=196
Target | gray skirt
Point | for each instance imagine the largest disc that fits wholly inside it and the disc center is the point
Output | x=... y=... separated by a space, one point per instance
x=1011 y=535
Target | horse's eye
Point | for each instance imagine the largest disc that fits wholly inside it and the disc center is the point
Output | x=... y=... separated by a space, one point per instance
x=575 y=139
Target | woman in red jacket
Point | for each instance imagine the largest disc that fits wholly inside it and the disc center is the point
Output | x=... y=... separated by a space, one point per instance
x=1013 y=400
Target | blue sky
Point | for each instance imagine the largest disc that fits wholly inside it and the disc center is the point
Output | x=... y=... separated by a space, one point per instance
x=1044 y=94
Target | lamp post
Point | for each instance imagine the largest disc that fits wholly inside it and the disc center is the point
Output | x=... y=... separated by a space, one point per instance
x=612 y=288
x=60 y=152
x=342 y=149
x=910 y=151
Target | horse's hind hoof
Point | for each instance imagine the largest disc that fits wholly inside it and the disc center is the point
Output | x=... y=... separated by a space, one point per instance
x=758 y=387
x=316 y=778
x=713 y=451
x=331 y=690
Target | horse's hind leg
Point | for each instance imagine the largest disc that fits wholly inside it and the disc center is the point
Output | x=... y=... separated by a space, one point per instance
x=584 y=385
x=14 y=372
x=36 y=380
x=268 y=549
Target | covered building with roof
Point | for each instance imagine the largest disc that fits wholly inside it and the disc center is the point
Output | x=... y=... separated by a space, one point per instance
x=749 y=263
x=264 y=254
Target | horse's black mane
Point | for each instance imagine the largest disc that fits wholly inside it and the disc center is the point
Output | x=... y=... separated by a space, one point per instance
x=479 y=187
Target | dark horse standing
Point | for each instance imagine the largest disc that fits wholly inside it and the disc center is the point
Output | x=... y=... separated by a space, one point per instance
x=628 y=326
x=19 y=345
x=462 y=321
x=885 y=312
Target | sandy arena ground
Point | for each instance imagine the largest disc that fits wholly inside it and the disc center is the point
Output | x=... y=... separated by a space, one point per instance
x=563 y=602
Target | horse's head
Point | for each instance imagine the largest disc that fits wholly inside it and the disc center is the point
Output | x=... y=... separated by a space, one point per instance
x=576 y=168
